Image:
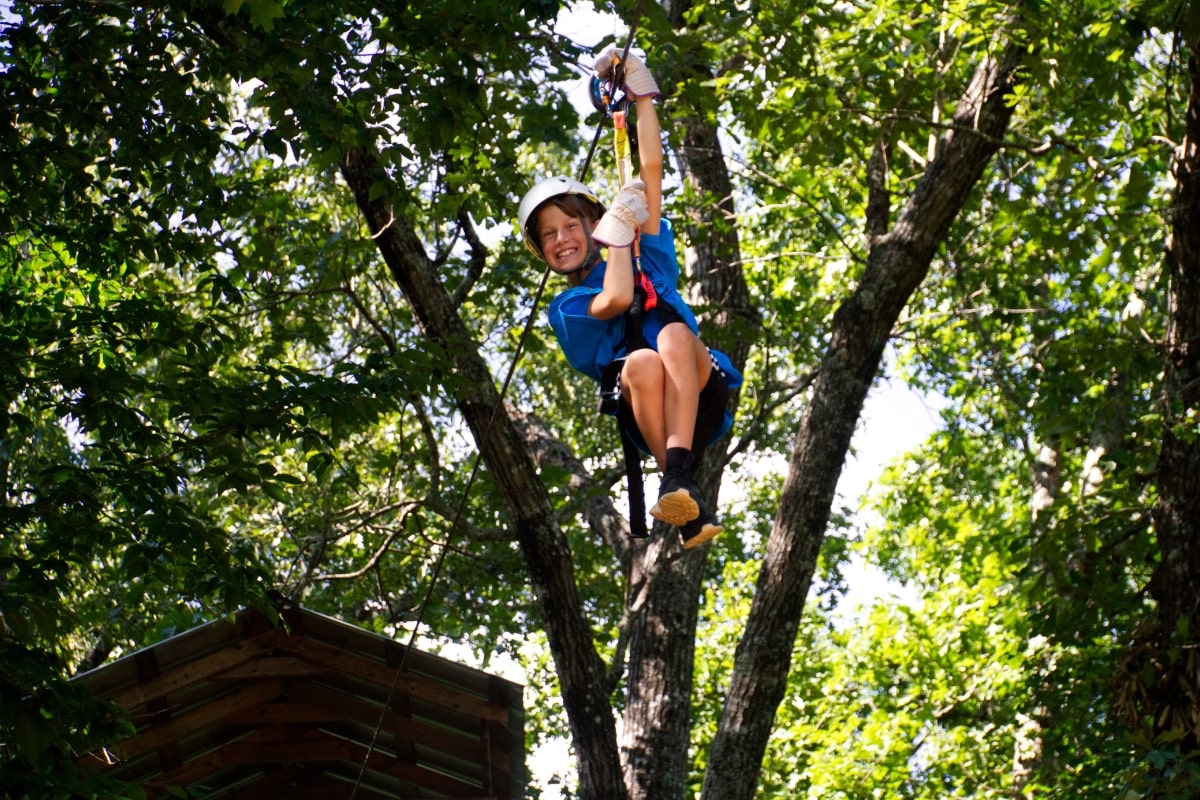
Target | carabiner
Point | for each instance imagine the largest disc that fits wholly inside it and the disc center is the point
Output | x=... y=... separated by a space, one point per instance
x=605 y=98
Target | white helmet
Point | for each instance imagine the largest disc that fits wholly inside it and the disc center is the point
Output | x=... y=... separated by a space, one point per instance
x=543 y=191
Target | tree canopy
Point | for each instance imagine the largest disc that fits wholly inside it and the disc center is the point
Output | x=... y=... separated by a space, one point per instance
x=260 y=290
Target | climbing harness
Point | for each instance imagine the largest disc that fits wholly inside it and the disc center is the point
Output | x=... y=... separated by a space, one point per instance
x=618 y=80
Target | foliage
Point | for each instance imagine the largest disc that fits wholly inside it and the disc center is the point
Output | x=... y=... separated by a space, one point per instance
x=1038 y=325
x=212 y=388
x=183 y=426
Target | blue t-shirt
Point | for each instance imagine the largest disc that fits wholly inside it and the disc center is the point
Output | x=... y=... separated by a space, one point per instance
x=590 y=344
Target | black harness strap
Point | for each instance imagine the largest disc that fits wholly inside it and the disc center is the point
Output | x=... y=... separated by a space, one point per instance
x=634 y=483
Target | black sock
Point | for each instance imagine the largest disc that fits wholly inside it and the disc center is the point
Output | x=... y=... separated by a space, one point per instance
x=679 y=459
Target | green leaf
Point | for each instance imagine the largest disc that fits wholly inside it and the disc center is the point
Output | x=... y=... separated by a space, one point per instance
x=263 y=13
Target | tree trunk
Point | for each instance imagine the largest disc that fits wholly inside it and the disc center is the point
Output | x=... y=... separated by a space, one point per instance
x=1174 y=696
x=547 y=555
x=665 y=585
x=897 y=263
x=656 y=727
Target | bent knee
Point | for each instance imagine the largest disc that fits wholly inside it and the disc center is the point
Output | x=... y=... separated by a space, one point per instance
x=642 y=367
x=677 y=339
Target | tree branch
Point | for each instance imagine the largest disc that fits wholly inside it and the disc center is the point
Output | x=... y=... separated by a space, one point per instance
x=547 y=555
x=477 y=261
x=896 y=265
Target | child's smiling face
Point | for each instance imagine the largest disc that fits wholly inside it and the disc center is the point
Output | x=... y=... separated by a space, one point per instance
x=563 y=239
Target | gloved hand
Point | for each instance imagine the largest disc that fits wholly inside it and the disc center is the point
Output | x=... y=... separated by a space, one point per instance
x=619 y=225
x=638 y=80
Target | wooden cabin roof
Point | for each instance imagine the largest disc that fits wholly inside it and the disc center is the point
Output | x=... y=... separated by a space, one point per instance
x=246 y=708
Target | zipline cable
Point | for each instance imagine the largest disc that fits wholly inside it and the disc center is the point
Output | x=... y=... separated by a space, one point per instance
x=441 y=559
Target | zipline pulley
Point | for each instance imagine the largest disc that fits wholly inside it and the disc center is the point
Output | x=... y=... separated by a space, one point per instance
x=606 y=97
x=609 y=100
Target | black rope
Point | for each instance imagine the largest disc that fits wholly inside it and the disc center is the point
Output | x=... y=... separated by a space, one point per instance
x=441 y=560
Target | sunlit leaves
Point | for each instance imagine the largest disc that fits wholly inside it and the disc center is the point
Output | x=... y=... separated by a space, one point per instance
x=1038 y=324
x=211 y=386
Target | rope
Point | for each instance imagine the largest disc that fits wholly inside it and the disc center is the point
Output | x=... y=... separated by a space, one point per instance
x=441 y=560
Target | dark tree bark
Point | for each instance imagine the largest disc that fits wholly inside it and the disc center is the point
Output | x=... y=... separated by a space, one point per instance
x=1174 y=697
x=665 y=586
x=897 y=263
x=580 y=670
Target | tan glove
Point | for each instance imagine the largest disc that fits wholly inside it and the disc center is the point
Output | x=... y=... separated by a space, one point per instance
x=638 y=80
x=620 y=224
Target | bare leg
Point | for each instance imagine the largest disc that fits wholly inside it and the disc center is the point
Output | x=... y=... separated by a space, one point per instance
x=687 y=366
x=642 y=381
x=664 y=389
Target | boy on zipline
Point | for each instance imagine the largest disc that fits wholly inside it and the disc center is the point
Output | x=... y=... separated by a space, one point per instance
x=668 y=391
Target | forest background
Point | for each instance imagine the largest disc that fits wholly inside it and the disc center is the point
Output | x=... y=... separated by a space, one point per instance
x=255 y=316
